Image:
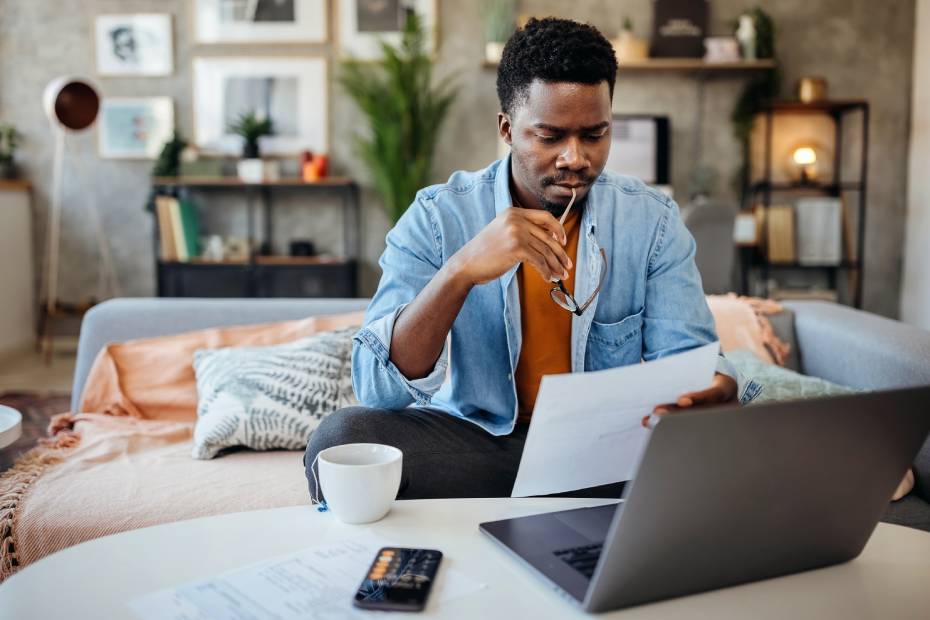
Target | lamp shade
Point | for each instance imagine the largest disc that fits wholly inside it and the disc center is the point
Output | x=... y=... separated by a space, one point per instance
x=71 y=102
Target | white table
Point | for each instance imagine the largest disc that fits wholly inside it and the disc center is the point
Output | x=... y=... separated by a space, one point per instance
x=11 y=426
x=891 y=579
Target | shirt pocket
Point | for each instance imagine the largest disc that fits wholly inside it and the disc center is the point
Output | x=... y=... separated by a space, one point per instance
x=615 y=344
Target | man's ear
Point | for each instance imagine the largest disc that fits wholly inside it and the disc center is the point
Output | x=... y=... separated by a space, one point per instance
x=504 y=128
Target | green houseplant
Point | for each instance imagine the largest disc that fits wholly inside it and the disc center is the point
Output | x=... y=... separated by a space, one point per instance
x=251 y=126
x=404 y=110
x=9 y=139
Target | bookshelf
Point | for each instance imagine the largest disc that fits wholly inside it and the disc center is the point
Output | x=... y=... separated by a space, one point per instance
x=755 y=261
x=260 y=275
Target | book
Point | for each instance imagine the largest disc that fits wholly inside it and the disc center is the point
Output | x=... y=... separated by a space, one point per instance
x=177 y=227
x=819 y=230
x=678 y=28
x=165 y=228
x=780 y=239
x=190 y=223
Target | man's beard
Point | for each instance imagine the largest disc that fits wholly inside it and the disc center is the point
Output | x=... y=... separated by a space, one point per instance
x=557 y=209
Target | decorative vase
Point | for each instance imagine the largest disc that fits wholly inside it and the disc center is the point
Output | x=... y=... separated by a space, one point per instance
x=493 y=51
x=630 y=48
x=250 y=170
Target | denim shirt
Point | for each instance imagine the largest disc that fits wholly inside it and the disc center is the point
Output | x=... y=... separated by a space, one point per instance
x=651 y=304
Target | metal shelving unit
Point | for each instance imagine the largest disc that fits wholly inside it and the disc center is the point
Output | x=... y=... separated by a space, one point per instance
x=262 y=275
x=765 y=188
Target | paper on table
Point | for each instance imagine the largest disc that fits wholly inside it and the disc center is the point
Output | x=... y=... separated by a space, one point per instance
x=586 y=428
x=313 y=583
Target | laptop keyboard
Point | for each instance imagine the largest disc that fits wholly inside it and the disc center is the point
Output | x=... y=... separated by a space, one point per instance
x=583 y=558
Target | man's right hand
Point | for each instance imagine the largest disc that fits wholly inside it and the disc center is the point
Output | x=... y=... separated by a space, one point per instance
x=516 y=235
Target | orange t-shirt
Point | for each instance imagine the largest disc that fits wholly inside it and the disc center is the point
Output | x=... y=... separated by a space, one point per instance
x=546 y=326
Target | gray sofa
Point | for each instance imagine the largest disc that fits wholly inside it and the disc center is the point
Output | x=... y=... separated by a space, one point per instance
x=836 y=343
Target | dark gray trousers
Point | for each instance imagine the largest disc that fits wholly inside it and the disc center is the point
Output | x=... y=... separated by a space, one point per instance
x=444 y=456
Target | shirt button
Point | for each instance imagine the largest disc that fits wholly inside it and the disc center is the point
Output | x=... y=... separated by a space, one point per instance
x=509 y=377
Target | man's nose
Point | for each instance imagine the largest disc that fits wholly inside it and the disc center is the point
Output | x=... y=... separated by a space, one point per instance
x=572 y=156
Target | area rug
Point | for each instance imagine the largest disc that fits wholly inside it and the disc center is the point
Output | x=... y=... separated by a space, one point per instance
x=37 y=410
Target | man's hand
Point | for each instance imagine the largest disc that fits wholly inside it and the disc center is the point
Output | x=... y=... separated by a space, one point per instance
x=516 y=235
x=721 y=390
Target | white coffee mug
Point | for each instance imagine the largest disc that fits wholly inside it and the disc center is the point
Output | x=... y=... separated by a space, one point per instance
x=360 y=480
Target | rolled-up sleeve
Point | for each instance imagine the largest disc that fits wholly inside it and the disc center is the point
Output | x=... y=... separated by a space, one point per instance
x=412 y=257
x=676 y=316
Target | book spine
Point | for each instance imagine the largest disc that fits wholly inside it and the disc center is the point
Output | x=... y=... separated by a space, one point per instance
x=165 y=229
x=177 y=226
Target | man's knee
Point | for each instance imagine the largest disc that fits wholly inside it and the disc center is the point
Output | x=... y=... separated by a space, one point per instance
x=348 y=425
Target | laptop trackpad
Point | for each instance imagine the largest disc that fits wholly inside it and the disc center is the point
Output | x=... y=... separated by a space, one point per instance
x=592 y=523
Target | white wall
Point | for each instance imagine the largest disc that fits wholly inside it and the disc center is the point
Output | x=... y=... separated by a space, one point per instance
x=915 y=292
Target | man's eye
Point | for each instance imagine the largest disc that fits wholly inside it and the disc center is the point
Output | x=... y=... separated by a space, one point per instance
x=548 y=139
x=594 y=137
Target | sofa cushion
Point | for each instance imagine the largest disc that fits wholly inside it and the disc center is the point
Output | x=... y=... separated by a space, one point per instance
x=780 y=383
x=270 y=397
x=153 y=378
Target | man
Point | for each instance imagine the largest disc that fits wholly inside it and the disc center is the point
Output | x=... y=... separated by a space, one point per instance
x=484 y=291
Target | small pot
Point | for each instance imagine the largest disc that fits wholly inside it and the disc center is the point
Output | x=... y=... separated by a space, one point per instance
x=250 y=150
x=493 y=51
x=7 y=169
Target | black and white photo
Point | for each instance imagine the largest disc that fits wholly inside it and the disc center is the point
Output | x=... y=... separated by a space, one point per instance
x=260 y=21
x=139 y=44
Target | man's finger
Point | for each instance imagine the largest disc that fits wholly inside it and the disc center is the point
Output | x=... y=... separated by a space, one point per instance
x=702 y=397
x=540 y=252
x=557 y=248
x=547 y=221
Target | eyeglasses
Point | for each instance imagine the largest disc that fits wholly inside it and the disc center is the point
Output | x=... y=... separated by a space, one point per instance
x=563 y=298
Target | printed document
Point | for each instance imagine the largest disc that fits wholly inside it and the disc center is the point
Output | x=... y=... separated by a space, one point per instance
x=313 y=583
x=586 y=428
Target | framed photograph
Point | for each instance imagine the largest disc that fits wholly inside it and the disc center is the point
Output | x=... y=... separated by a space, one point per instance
x=363 y=24
x=134 y=127
x=291 y=91
x=260 y=21
x=139 y=44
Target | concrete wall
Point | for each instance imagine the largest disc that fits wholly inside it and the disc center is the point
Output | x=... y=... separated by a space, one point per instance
x=863 y=51
x=915 y=290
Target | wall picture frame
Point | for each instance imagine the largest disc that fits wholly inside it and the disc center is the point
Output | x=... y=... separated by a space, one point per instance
x=292 y=90
x=260 y=21
x=363 y=24
x=134 y=127
x=134 y=44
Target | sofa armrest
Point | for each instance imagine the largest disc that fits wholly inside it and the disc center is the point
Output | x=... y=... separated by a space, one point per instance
x=118 y=320
x=865 y=351
x=859 y=349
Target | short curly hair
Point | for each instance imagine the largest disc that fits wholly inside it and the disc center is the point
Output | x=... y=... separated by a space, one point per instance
x=553 y=50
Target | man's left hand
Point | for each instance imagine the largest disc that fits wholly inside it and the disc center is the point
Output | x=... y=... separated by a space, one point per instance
x=721 y=390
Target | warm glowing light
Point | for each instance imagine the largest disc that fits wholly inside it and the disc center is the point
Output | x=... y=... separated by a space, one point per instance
x=805 y=156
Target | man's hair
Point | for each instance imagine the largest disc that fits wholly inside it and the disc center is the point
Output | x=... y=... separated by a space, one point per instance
x=553 y=50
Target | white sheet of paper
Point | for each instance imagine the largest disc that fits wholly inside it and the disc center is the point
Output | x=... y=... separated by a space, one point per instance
x=586 y=428
x=310 y=584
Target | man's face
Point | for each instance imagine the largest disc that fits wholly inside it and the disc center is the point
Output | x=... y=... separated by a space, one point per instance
x=559 y=138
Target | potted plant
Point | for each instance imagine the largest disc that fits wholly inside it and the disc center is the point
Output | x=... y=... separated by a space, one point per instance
x=405 y=111
x=498 y=26
x=9 y=138
x=251 y=126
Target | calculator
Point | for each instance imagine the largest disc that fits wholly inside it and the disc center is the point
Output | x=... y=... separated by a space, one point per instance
x=399 y=579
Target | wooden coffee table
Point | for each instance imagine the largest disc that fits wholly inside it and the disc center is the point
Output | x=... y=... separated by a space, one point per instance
x=96 y=579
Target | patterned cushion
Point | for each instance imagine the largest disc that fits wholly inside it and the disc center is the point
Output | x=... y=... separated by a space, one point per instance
x=780 y=383
x=270 y=397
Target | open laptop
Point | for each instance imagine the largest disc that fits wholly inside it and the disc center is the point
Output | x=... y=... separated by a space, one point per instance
x=731 y=495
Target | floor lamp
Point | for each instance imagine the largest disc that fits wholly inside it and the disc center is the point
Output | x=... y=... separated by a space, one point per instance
x=71 y=105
